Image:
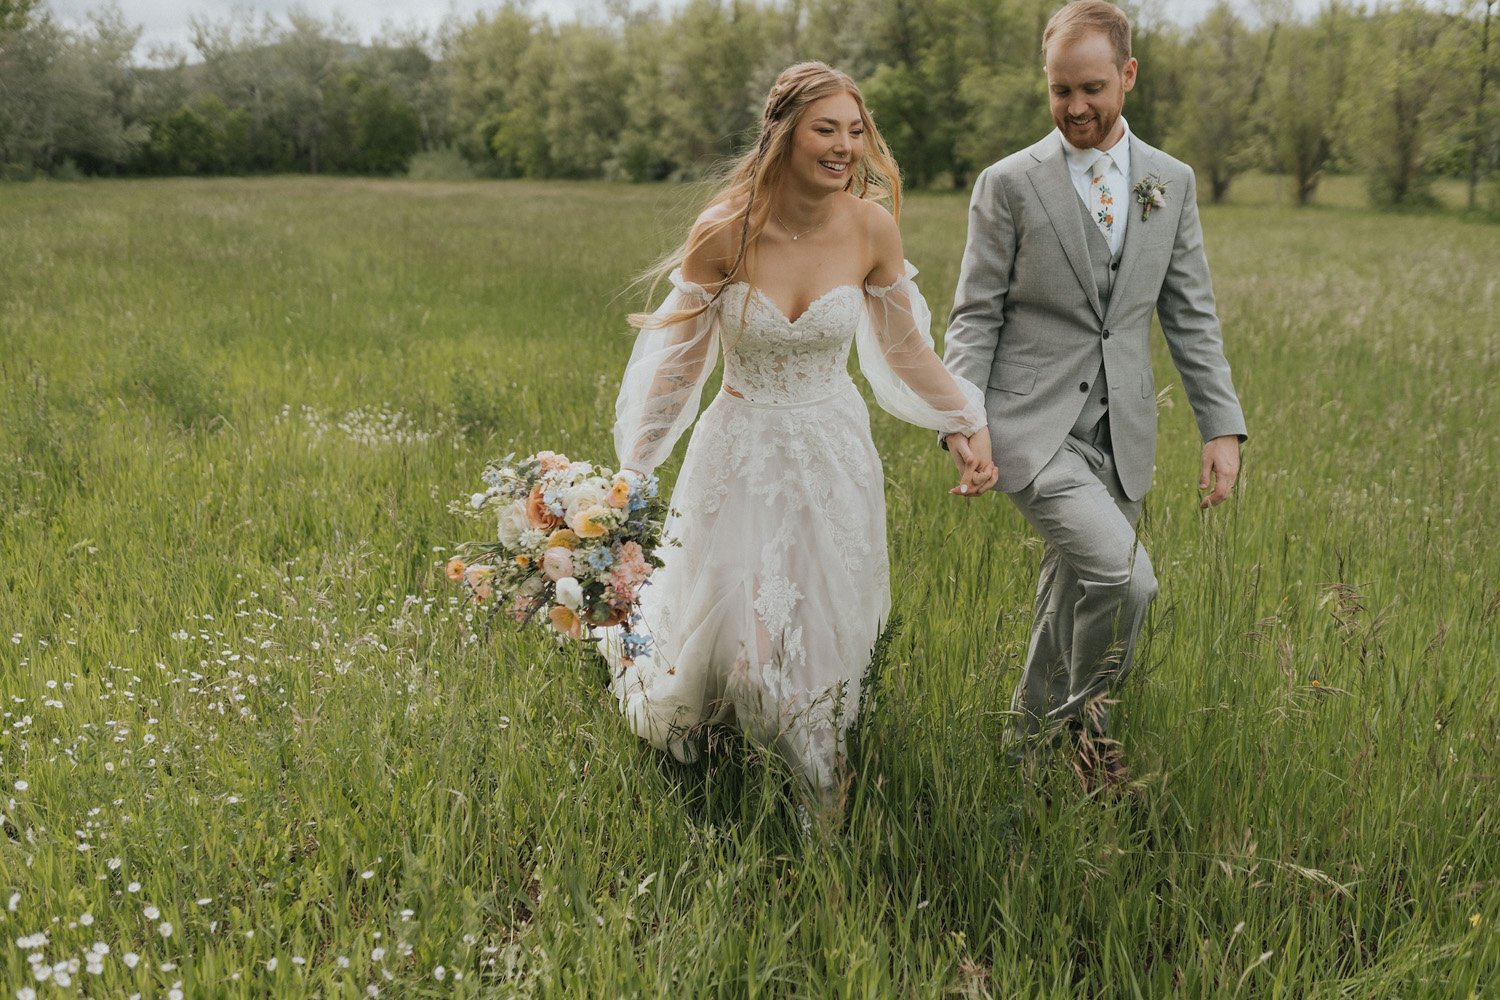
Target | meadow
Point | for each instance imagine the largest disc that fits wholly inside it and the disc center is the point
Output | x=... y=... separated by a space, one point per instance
x=252 y=745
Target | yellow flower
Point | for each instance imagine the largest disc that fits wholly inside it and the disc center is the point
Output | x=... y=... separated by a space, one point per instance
x=523 y=560
x=562 y=538
x=591 y=522
x=1475 y=920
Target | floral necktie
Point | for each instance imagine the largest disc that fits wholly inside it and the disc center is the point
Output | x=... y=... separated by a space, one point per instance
x=1102 y=199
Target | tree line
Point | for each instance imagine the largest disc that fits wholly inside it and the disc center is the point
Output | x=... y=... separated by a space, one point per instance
x=1401 y=92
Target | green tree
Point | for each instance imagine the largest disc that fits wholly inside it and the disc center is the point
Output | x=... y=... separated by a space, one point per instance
x=1301 y=116
x=1402 y=104
x=1225 y=64
x=387 y=131
x=485 y=59
x=16 y=14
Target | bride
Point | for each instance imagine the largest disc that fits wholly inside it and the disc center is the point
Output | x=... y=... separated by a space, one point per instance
x=769 y=604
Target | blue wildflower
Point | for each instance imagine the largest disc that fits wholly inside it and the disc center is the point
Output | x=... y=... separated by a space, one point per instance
x=598 y=558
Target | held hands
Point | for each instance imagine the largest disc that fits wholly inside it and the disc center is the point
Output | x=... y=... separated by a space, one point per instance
x=971 y=455
x=1221 y=466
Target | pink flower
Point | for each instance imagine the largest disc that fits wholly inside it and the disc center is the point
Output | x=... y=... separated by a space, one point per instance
x=481 y=581
x=633 y=563
x=557 y=562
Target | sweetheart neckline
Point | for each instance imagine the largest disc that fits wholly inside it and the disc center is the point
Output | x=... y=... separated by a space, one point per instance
x=777 y=309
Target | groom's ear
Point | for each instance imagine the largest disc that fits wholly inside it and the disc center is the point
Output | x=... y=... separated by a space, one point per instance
x=1127 y=74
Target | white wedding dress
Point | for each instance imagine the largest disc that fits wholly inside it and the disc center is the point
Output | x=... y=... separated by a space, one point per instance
x=775 y=584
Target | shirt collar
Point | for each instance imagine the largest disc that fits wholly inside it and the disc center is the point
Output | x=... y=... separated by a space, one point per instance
x=1080 y=160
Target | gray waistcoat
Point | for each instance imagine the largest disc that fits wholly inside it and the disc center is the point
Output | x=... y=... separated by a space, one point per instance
x=1105 y=267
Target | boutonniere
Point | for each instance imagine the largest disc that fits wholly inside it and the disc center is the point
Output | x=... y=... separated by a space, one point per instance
x=1150 y=193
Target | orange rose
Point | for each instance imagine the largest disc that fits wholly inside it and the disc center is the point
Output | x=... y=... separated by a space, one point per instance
x=537 y=512
x=455 y=569
x=565 y=622
x=562 y=538
x=619 y=494
x=523 y=560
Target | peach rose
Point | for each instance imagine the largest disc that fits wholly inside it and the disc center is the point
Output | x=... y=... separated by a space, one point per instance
x=454 y=569
x=551 y=461
x=557 y=562
x=565 y=622
x=537 y=512
x=619 y=494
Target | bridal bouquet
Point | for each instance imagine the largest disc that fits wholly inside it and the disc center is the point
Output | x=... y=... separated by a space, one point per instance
x=571 y=540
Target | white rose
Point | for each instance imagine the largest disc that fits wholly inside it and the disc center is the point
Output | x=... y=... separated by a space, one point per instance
x=582 y=496
x=569 y=593
x=513 y=522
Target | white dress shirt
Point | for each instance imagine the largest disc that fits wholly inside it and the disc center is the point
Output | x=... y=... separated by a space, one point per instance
x=1081 y=163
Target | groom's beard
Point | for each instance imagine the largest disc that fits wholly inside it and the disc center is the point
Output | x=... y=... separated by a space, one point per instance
x=1089 y=136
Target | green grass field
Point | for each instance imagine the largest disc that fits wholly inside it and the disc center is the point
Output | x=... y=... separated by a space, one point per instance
x=251 y=743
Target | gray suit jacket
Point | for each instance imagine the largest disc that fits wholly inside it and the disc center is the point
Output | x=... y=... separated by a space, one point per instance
x=1027 y=326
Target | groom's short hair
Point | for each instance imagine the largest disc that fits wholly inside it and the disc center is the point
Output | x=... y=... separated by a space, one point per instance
x=1083 y=16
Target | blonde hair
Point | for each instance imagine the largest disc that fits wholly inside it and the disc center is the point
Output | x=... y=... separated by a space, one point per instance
x=1083 y=16
x=750 y=181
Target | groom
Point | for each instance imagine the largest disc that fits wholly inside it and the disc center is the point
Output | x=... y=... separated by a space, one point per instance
x=1073 y=244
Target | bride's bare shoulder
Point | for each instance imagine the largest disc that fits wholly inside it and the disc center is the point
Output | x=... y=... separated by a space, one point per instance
x=712 y=245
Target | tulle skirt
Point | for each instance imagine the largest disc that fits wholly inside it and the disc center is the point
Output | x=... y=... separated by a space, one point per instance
x=775 y=587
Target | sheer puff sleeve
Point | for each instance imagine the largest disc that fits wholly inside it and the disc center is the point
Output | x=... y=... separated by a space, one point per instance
x=664 y=380
x=908 y=378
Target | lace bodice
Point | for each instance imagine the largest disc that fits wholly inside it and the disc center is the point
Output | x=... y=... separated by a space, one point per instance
x=771 y=359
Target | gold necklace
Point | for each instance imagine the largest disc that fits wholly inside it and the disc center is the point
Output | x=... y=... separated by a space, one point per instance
x=795 y=236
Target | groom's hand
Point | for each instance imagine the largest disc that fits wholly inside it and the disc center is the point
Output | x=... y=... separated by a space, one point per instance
x=1221 y=467
x=971 y=456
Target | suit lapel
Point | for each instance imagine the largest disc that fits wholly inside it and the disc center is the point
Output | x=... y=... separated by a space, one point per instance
x=1137 y=230
x=1049 y=176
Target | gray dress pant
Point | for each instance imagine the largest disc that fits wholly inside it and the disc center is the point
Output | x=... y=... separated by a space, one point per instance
x=1096 y=584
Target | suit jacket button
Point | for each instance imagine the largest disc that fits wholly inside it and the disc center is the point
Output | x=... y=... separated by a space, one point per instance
x=1103 y=400
x=1114 y=265
x=1106 y=334
x=1083 y=387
